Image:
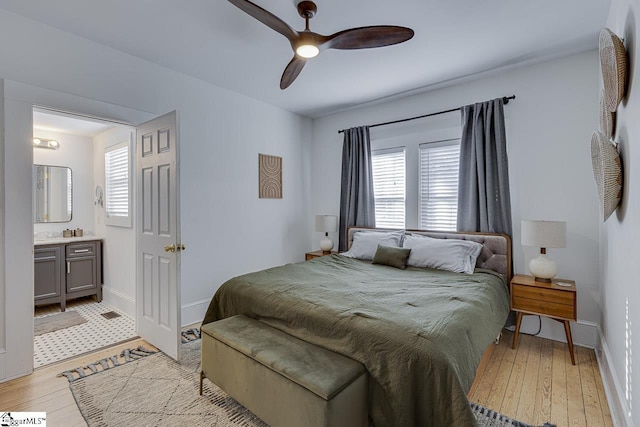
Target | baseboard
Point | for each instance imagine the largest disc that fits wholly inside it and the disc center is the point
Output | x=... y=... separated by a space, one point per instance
x=194 y=312
x=3 y=367
x=583 y=332
x=120 y=301
x=620 y=413
x=191 y=313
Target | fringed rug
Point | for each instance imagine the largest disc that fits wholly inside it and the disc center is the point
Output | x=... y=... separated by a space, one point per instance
x=150 y=388
x=489 y=418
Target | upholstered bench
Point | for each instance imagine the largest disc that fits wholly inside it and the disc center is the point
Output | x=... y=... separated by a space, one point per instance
x=283 y=380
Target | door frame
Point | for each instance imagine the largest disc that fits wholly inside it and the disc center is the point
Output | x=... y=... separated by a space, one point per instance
x=16 y=153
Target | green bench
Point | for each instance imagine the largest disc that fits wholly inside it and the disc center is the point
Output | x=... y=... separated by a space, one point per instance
x=283 y=380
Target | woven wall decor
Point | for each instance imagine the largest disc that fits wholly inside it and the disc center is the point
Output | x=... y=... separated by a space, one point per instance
x=607 y=170
x=614 y=67
x=270 y=177
x=607 y=118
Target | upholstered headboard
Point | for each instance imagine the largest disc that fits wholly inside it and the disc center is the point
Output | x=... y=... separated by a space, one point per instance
x=496 y=248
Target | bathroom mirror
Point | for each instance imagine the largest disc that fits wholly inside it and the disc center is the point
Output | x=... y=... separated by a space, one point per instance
x=52 y=194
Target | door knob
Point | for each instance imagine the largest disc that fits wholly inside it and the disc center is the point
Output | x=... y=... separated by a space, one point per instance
x=170 y=248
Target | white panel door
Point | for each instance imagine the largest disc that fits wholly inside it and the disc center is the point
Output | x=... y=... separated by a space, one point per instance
x=158 y=235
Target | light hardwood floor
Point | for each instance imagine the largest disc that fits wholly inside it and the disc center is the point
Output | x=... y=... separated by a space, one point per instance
x=44 y=391
x=534 y=383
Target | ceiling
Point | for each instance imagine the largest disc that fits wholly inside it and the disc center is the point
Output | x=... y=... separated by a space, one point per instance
x=214 y=41
x=66 y=123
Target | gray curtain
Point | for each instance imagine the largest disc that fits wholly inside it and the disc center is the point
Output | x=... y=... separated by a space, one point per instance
x=484 y=203
x=357 y=206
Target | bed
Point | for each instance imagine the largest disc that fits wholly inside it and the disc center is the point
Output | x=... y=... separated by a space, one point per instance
x=420 y=332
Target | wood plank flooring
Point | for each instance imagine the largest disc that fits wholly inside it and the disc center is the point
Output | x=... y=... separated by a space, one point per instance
x=534 y=384
x=43 y=391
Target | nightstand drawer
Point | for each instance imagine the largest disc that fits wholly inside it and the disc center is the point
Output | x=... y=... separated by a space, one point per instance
x=541 y=294
x=552 y=309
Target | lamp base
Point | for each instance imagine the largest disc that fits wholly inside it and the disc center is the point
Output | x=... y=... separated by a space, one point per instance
x=326 y=244
x=543 y=269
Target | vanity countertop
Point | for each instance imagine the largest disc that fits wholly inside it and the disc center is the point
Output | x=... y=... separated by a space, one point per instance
x=61 y=240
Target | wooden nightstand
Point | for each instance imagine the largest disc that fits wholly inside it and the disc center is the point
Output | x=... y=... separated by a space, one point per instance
x=317 y=254
x=545 y=299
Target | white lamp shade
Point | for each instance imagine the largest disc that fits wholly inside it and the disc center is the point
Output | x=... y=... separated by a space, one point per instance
x=544 y=234
x=326 y=223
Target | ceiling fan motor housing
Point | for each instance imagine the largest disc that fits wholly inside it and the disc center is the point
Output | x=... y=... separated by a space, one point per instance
x=307 y=9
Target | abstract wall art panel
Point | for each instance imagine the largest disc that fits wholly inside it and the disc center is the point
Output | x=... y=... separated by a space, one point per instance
x=270 y=175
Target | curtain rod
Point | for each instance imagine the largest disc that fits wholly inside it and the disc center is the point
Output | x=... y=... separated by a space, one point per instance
x=505 y=99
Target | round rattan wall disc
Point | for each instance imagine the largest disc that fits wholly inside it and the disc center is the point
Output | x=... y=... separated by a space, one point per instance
x=607 y=170
x=607 y=119
x=613 y=64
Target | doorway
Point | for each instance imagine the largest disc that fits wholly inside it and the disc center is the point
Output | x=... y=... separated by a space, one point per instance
x=85 y=271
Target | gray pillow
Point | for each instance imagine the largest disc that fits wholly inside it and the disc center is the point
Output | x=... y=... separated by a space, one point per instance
x=454 y=255
x=391 y=256
x=365 y=243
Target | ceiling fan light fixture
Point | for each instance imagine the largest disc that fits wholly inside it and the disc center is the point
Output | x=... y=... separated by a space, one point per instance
x=307 y=51
x=307 y=44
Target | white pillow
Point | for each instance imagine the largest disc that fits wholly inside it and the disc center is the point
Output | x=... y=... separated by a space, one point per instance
x=365 y=243
x=454 y=255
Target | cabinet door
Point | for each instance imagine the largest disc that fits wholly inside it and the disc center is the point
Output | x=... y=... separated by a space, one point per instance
x=48 y=277
x=82 y=275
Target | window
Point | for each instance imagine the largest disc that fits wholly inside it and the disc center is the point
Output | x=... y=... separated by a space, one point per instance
x=117 y=185
x=438 y=193
x=388 y=168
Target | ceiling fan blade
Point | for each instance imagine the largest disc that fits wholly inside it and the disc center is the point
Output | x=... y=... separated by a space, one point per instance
x=266 y=17
x=292 y=71
x=368 y=37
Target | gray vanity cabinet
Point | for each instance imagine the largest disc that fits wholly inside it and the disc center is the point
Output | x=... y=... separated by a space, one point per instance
x=67 y=271
x=83 y=270
x=49 y=275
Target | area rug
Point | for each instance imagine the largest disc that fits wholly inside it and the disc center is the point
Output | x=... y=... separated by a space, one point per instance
x=489 y=418
x=142 y=387
x=55 y=322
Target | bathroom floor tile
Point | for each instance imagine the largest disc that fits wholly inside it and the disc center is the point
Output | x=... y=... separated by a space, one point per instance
x=96 y=333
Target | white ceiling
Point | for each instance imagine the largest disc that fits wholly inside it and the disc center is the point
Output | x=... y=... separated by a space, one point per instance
x=64 y=123
x=214 y=41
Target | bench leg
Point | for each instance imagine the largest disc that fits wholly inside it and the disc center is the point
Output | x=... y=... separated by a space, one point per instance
x=201 y=378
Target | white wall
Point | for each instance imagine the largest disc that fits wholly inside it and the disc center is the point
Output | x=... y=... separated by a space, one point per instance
x=549 y=127
x=620 y=242
x=226 y=228
x=75 y=152
x=119 y=243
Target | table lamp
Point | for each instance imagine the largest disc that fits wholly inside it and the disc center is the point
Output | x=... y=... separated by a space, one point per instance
x=326 y=224
x=544 y=234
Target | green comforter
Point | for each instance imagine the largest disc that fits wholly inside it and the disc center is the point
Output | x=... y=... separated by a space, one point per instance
x=419 y=332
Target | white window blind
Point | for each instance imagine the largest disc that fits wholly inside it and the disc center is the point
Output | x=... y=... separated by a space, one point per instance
x=438 y=197
x=388 y=168
x=117 y=183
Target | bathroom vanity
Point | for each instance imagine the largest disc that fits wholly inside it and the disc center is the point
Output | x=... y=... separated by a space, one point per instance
x=67 y=268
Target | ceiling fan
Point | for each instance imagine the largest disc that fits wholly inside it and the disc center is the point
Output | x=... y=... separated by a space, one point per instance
x=307 y=44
